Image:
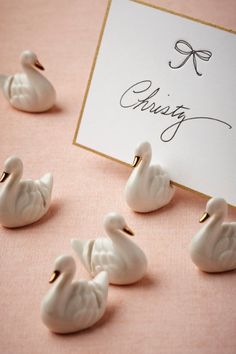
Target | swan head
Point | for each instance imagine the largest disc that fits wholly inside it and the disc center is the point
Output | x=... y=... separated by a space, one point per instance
x=13 y=165
x=63 y=265
x=142 y=151
x=116 y=222
x=215 y=206
x=29 y=58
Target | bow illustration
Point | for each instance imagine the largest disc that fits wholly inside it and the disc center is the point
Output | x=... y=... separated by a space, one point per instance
x=188 y=50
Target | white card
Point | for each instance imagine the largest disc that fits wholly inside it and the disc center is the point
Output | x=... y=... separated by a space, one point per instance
x=162 y=78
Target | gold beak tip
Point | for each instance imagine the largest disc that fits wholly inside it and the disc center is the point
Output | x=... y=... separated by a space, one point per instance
x=4 y=176
x=54 y=276
x=136 y=161
x=128 y=231
x=39 y=65
x=204 y=217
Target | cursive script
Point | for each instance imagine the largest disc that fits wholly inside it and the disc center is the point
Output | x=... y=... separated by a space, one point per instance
x=141 y=96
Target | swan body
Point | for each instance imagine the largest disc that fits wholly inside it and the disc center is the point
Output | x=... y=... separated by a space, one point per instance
x=29 y=91
x=213 y=248
x=71 y=306
x=148 y=187
x=124 y=261
x=22 y=202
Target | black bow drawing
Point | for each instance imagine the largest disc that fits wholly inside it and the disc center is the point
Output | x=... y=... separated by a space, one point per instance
x=189 y=51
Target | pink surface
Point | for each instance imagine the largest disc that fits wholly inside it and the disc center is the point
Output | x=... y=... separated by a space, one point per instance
x=175 y=308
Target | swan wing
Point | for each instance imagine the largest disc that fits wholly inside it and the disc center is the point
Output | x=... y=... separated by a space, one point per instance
x=227 y=241
x=30 y=201
x=44 y=185
x=106 y=257
x=155 y=171
x=19 y=85
x=20 y=91
x=229 y=235
x=81 y=304
x=88 y=300
x=160 y=187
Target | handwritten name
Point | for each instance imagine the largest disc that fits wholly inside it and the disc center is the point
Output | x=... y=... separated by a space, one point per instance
x=132 y=98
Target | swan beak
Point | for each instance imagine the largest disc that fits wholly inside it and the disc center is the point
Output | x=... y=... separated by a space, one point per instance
x=137 y=159
x=4 y=176
x=128 y=231
x=54 y=276
x=38 y=65
x=204 y=217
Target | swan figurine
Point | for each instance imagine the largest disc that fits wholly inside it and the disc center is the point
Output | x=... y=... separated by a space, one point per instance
x=148 y=187
x=71 y=306
x=213 y=248
x=124 y=261
x=29 y=91
x=22 y=202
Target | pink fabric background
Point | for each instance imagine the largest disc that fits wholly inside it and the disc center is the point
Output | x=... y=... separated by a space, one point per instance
x=175 y=308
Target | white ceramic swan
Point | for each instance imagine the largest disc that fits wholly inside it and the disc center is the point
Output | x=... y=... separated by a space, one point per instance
x=148 y=187
x=29 y=91
x=213 y=248
x=22 y=202
x=124 y=261
x=72 y=306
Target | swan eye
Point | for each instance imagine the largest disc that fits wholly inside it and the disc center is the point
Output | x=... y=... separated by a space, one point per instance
x=4 y=176
x=204 y=217
x=137 y=159
x=54 y=276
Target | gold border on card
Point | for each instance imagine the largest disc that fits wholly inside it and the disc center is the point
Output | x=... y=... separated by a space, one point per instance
x=109 y=2
x=184 y=16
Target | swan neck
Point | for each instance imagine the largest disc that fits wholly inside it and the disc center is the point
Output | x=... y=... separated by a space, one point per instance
x=217 y=218
x=59 y=293
x=31 y=72
x=64 y=280
x=212 y=228
x=145 y=162
x=14 y=178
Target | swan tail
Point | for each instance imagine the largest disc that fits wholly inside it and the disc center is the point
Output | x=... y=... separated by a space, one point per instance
x=84 y=248
x=2 y=80
x=100 y=284
x=45 y=185
x=172 y=190
x=78 y=246
x=168 y=187
x=101 y=279
x=47 y=179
